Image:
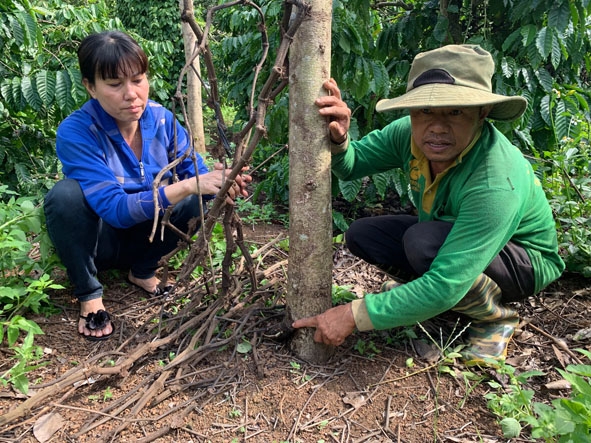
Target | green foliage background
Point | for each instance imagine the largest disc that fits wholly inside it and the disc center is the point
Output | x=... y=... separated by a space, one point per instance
x=541 y=48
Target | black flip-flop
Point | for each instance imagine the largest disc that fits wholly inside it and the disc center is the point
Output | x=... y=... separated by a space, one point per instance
x=97 y=320
x=158 y=292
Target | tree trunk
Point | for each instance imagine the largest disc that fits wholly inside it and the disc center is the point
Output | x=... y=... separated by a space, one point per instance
x=310 y=209
x=194 y=108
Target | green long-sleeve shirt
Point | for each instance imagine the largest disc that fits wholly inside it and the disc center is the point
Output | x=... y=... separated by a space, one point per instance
x=491 y=196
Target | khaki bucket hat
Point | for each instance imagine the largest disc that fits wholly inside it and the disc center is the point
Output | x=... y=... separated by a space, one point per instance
x=454 y=75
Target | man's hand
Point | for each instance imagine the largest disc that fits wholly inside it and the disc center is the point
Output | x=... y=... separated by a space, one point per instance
x=332 y=326
x=337 y=111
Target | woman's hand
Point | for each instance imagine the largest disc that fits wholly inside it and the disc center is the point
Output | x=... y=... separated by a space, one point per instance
x=211 y=182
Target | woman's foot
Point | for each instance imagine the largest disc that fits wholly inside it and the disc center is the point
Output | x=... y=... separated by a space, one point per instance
x=150 y=285
x=92 y=307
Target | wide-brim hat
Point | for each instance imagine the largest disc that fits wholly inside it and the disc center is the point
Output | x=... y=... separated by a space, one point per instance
x=454 y=76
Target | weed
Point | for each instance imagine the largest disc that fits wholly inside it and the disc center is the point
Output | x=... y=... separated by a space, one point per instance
x=342 y=294
x=107 y=394
x=252 y=214
x=235 y=413
x=25 y=355
x=512 y=402
x=244 y=347
x=567 y=418
x=564 y=172
x=471 y=381
x=366 y=348
x=20 y=227
x=296 y=370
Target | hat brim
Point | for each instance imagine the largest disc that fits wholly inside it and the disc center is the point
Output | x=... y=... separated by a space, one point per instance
x=505 y=108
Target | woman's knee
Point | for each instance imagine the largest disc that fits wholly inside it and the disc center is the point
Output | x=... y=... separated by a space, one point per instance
x=186 y=210
x=65 y=204
x=64 y=195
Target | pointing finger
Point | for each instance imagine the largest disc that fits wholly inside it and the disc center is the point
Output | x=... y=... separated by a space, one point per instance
x=307 y=322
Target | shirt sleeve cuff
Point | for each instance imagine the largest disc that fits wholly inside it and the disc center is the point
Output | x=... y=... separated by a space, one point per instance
x=361 y=316
x=163 y=201
x=341 y=147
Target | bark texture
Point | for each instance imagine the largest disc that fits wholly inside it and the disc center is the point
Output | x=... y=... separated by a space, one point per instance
x=194 y=106
x=310 y=221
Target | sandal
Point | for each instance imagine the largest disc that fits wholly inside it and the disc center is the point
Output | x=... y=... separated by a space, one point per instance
x=96 y=321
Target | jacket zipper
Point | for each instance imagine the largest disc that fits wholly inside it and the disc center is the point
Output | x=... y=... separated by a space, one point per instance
x=142 y=170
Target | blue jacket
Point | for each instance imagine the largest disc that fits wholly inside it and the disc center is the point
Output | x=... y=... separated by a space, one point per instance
x=116 y=185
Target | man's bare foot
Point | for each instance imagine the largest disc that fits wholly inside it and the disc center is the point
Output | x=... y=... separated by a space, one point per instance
x=88 y=307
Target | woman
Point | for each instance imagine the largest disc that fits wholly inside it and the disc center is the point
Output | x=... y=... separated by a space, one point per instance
x=101 y=215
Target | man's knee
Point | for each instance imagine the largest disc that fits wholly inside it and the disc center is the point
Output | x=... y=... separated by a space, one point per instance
x=422 y=242
x=354 y=237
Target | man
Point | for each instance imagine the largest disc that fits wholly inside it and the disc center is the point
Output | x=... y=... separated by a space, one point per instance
x=484 y=234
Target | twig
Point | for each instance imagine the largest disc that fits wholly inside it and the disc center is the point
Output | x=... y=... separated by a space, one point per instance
x=387 y=412
x=558 y=342
x=412 y=374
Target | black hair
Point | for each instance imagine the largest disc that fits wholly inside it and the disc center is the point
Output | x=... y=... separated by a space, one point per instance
x=110 y=54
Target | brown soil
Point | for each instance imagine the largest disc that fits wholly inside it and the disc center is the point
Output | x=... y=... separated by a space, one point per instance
x=378 y=387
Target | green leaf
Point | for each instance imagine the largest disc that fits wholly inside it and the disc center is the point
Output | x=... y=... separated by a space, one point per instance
x=524 y=376
x=556 y=54
x=380 y=79
x=12 y=334
x=17 y=96
x=31 y=31
x=528 y=34
x=545 y=79
x=510 y=41
x=21 y=382
x=561 y=121
x=350 y=189
x=28 y=326
x=30 y=93
x=577 y=411
x=559 y=16
x=511 y=427
x=381 y=182
x=63 y=91
x=544 y=42
x=545 y=110
x=46 y=86
x=344 y=43
x=362 y=76
x=18 y=33
x=441 y=29
x=577 y=382
x=243 y=347
x=339 y=221
x=585 y=352
x=508 y=67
